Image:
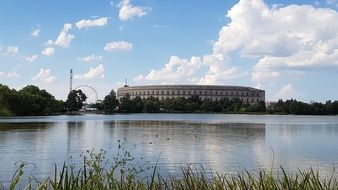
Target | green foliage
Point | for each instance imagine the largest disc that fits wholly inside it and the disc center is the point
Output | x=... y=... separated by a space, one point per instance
x=126 y=105
x=182 y=105
x=30 y=100
x=300 y=108
x=225 y=105
x=137 y=105
x=120 y=172
x=75 y=100
x=151 y=105
x=110 y=102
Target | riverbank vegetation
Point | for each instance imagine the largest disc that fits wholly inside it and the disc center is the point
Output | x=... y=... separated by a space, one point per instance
x=28 y=101
x=300 y=108
x=100 y=172
x=225 y=105
x=182 y=105
x=31 y=100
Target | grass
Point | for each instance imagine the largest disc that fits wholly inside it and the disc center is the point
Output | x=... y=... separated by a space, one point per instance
x=118 y=172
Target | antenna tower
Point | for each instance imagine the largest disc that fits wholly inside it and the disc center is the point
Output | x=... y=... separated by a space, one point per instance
x=126 y=82
x=71 y=80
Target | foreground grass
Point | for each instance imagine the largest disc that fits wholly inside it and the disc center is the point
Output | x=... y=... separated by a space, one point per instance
x=97 y=172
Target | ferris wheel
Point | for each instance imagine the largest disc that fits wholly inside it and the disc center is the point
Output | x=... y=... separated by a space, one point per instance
x=89 y=91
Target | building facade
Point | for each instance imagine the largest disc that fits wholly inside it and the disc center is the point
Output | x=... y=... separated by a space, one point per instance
x=211 y=92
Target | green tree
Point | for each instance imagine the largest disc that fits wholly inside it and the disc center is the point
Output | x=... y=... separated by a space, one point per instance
x=137 y=105
x=207 y=106
x=257 y=107
x=30 y=100
x=110 y=102
x=151 y=105
x=126 y=104
x=5 y=95
x=75 y=100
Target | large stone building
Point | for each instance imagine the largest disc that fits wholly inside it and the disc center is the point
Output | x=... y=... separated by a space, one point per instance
x=212 y=92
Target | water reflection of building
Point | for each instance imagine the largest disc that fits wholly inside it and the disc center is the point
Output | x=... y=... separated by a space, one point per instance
x=175 y=142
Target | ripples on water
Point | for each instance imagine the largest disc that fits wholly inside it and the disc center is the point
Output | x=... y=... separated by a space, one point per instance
x=220 y=142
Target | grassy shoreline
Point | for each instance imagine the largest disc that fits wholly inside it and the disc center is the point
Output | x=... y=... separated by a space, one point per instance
x=119 y=172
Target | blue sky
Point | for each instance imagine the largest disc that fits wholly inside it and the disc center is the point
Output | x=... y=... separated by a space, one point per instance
x=288 y=48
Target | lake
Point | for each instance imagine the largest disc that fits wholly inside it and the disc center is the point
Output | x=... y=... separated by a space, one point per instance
x=221 y=142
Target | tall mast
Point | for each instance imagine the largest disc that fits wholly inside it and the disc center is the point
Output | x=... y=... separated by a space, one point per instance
x=71 y=80
x=126 y=82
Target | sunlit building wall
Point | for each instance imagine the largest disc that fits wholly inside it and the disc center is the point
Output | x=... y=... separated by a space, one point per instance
x=211 y=92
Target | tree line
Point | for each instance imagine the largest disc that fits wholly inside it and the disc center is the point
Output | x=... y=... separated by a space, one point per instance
x=225 y=105
x=28 y=101
x=180 y=105
x=300 y=108
x=31 y=100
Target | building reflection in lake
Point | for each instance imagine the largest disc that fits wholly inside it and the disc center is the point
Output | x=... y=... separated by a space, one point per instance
x=172 y=143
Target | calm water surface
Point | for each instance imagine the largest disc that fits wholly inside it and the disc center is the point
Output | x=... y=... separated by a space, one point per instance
x=222 y=142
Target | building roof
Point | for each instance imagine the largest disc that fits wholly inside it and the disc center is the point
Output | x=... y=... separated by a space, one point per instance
x=191 y=87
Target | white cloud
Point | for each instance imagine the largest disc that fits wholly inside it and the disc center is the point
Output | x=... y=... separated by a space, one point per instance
x=12 y=49
x=175 y=70
x=31 y=58
x=13 y=75
x=219 y=70
x=49 y=43
x=44 y=76
x=119 y=45
x=90 y=58
x=286 y=92
x=191 y=71
x=48 y=51
x=97 y=72
x=91 y=23
x=284 y=40
x=64 y=38
x=281 y=38
x=35 y=32
x=128 y=11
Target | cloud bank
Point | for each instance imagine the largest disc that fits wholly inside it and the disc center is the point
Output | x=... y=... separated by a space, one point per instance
x=280 y=39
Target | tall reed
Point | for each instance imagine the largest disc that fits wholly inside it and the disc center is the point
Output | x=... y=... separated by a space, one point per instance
x=100 y=172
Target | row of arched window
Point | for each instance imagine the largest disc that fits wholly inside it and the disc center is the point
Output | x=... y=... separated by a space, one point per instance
x=198 y=93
